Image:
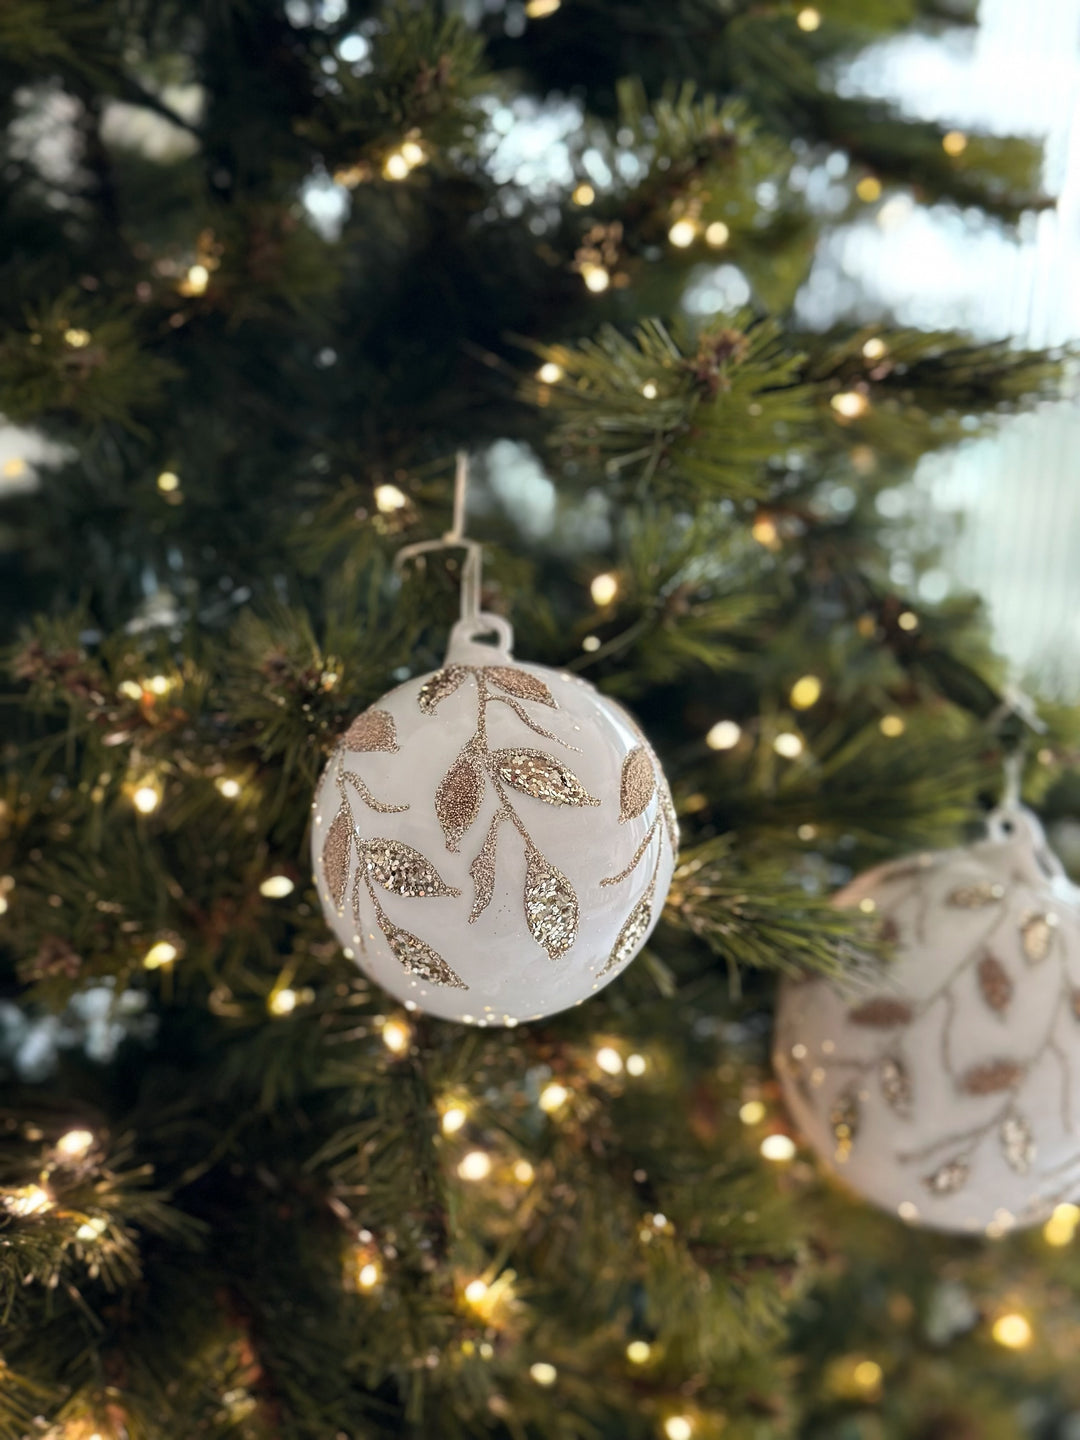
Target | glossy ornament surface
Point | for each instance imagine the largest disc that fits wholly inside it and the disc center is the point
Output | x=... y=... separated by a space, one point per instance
x=493 y=842
x=949 y=1093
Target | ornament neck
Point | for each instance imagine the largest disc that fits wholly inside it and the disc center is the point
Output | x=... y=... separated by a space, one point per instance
x=467 y=645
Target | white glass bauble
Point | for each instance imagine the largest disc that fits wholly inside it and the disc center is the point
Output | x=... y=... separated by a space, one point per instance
x=493 y=842
x=950 y=1092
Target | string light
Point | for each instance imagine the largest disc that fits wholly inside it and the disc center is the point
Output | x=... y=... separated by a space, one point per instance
x=552 y=1096
x=649 y=390
x=195 y=281
x=146 y=798
x=778 y=1148
x=475 y=1291
x=30 y=1200
x=76 y=338
x=954 y=142
x=543 y=1373
x=583 y=194
x=276 y=887
x=724 y=735
x=850 y=404
x=524 y=1173
x=609 y=1060
x=396 y=167
x=14 y=468
x=158 y=684
x=868 y=905
x=228 y=787
x=908 y=620
x=807 y=832
x=717 y=234
x=682 y=233
x=389 y=498
x=453 y=1118
x=541 y=9
x=765 y=533
x=805 y=692
x=808 y=19
x=1013 y=1331
x=162 y=952
x=1061 y=1228
x=476 y=1165
x=550 y=373
x=604 y=588
x=91 y=1229
x=368 y=1275
x=752 y=1112
x=638 y=1352
x=168 y=481
x=282 y=1002
x=868 y=189
x=397 y=1036
x=412 y=154
x=590 y=644
x=596 y=277
x=636 y=1065
x=874 y=348
x=891 y=725
x=788 y=744
x=678 y=1427
x=867 y=1376
x=75 y=1144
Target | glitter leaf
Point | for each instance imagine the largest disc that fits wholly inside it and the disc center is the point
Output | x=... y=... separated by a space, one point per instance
x=974 y=897
x=991 y=1077
x=896 y=1085
x=458 y=798
x=438 y=686
x=1017 y=1143
x=521 y=683
x=881 y=1013
x=541 y=776
x=947 y=1178
x=994 y=983
x=637 y=784
x=667 y=810
x=526 y=719
x=337 y=850
x=638 y=853
x=418 y=958
x=551 y=907
x=632 y=933
x=402 y=870
x=844 y=1123
x=367 y=797
x=1037 y=935
x=373 y=730
x=482 y=868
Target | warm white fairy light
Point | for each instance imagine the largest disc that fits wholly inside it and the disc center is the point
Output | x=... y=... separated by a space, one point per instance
x=389 y=498
x=227 y=786
x=282 y=1002
x=161 y=953
x=597 y=278
x=1061 y=1228
x=475 y=1291
x=868 y=189
x=682 y=233
x=453 y=1118
x=891 y=725
x=196 y=280
x=868 y=905
x=146 y=798
x=808 y=19
x=778 y=1148
x=723 y=735
x=168 y=481
x=550 y=373
x=78 y=339
x=717 y=234
x=1013 y=1331
x=413 y=154
x=541 y=9
x=157 y=684
x=636 y=1065
x=75 y=1144
x=396 y=167
x=604 y=588
x=874 y=348
x=638 y=1352
x=276 y=887
x=850 y=404
x=954 y=142
x=609 y=1060
x=788 y=744
x=649 y=390
x=752 y=1112
x=523 y=1172
x=908 y=620
x=543 y=1373
x=805 y=692
x=583 y=194
x=765 y=532
x=368 y=1275
x=678 y=1427
x=30 y=1200
x=476 y=1165
x=397 y=1036
x=553 y=1096
x=590 y=644
x=91 y=1230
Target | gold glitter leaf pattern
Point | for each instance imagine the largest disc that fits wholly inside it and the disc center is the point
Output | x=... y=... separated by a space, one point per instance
x=402 y=870
x=671 y=820
x=337 y=848
x=373 y=730
x=995 y=985
x=367 y=797
x=1017 y=1143
x=947 y=1178
x=632 y=933
x=991 y=1077
x=458 y=798
x=881 y=1013
x=482 y=868
x=551 y=907
x=520 y=683
x=974 y=897
x=1037 y=934
x=896 y=1085
x=844 y=1123
x=637 y=784
x=541 y=776
x=418 y=958
x=443 y=683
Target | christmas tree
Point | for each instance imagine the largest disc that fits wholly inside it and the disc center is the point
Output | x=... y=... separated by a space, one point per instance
x=268 y=264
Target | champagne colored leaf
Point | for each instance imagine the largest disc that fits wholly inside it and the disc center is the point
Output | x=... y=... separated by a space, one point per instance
x=373 y=730
x=482 y=868
x=541 y=776
x=881 y=1013
x=551 y=907
x=994 y=983
x=1017 y=1143
x=991 y=1077
x=521 y=683
x=637 y=784
x=418 y=958
x=336 y=852
x=632 y=933
x=402 y=870
x=458 y=798
x=443 y=683
x=948 y=1178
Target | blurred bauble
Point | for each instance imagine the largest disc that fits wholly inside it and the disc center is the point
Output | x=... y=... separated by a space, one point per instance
x=949 y=1093
x=493 y=842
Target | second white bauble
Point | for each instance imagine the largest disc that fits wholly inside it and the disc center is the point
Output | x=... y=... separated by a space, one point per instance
x=493 y=842
x=950 y=1094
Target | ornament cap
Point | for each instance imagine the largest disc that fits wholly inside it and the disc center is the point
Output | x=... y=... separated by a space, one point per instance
x=1017 y=826
x=467 y=648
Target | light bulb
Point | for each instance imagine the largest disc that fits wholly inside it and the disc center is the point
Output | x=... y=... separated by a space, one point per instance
x=636 y=1065
x=389 y=497
x=476 y=1165
x=596 y=277
x=146 y=798
x=543 y=1373
x=778 y=1148
x=723 y=735
x=752 y=1112
x=850 y=404
x=806 y=692
x=453 y=1118
x=282 y=1002
x=75 y=1145
x=168 y=481
x=788 y=744
x=609 y=1060
x=1013 y=1331
x=604 y=588
x=584 y=194
x=638 y=1352
x=808 y=19
x=396 y=1036
x=552 y=1096
x=550 y=373
x=276 y=887
x=954 y=142
x=162 y=952
x=228 y=787
x=682 y=233
x=717 y=234
x=891 y=725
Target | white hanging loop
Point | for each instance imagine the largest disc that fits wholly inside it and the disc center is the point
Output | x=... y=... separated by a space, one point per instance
x=474 y=621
